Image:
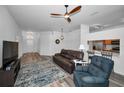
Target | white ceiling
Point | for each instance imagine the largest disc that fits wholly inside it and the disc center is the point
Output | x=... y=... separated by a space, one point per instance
x=37 y=17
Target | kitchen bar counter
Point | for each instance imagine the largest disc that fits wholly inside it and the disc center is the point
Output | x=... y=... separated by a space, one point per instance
x=98 y=52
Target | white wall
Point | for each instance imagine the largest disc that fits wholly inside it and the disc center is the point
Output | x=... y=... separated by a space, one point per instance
x=46 y=43
x=30 y=44
x=8 y=28
x=117 y=33
x=84 y=36
x=72 y=40
x=49 y=47
x=56 y=48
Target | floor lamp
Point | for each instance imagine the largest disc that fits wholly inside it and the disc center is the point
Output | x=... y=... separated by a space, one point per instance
x=82 y=48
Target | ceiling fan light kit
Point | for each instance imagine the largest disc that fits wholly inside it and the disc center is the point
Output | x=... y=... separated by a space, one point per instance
x=68 y=14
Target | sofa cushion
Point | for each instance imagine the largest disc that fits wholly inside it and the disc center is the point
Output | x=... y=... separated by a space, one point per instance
x=67 y=56
x=79 y=75
x=97 y=61
x=73 y=53
x=76 y=54
x=63 y=60
x=104 y=64
x=96 y=71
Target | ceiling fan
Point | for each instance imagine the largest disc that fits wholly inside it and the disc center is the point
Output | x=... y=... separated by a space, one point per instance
x=67 y=14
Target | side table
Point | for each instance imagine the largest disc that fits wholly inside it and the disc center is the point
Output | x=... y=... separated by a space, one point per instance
x=83 y=63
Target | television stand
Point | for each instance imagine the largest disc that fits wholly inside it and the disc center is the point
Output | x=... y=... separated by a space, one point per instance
x=8 y=77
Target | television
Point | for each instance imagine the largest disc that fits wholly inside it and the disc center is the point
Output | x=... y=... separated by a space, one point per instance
x=10 y=52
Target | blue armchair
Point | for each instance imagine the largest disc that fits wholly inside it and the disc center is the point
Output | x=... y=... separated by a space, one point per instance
x=96 y=74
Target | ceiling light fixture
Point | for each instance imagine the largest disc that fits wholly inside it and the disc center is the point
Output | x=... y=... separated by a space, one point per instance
x=30 y=35
x=62 y=37
x=67 y=14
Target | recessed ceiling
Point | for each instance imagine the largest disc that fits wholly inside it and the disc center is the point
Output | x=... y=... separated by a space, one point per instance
x=37 y=17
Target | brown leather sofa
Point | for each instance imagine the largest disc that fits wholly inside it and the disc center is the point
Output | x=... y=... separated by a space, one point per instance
x=65 y=59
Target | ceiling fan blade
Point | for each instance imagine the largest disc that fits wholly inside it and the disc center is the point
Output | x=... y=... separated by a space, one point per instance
x=75 y=10
x=54 y=14
x=68 y=19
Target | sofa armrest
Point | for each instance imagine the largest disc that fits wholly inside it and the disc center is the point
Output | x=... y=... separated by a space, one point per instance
x=57 y=54
x=81 y=68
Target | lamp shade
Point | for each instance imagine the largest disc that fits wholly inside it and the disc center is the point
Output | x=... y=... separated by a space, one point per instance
x=81 y=47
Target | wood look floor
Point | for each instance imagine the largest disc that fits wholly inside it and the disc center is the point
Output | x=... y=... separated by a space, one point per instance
x=117 y=79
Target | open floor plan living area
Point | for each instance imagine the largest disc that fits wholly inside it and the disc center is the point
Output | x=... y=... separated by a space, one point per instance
x=61 y=45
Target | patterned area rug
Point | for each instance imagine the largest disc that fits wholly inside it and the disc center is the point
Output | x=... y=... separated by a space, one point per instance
x=39 y=74
x=58 y=83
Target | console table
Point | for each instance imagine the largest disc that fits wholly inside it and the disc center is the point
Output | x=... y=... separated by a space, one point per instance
x=8 y=77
